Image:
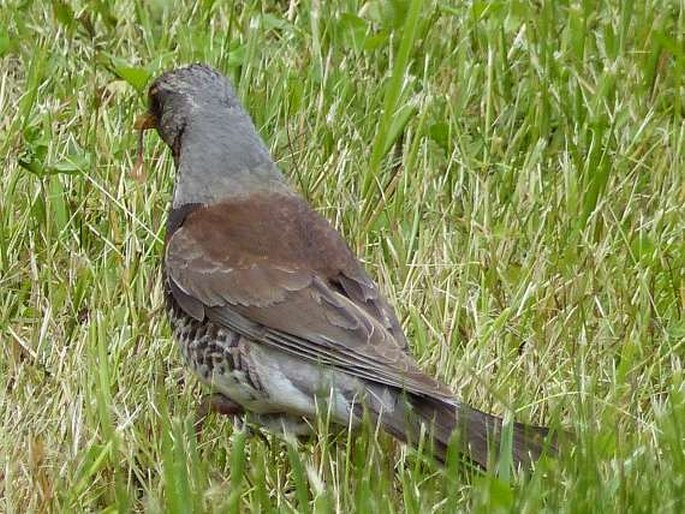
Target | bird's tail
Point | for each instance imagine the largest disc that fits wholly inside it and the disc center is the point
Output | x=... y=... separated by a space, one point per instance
x=479 y=435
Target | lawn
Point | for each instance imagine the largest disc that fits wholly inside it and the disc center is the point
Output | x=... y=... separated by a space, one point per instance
x=511 y=173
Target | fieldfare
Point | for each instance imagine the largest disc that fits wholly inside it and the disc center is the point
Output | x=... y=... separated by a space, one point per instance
x=269 y=305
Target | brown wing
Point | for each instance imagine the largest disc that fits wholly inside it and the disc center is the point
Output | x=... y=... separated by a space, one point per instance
x=275 y=271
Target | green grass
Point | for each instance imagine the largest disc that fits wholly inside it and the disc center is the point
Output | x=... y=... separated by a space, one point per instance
x=512 y=174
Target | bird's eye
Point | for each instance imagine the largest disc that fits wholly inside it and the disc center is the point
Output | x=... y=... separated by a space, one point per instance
x=155 y=103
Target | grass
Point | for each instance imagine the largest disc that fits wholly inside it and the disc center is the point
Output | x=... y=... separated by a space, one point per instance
x=512 y=174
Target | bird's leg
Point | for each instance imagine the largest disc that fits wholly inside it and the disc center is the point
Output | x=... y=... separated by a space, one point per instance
x=223 y=405
x=218 y=403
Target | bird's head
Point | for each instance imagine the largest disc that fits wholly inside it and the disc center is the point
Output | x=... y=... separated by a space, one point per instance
x=216 y=148
x=177 y=96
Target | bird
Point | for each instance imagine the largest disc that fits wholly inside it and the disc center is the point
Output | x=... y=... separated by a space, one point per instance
x=271 y=308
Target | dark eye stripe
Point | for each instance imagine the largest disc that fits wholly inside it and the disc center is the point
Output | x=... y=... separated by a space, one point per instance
x=155 y=102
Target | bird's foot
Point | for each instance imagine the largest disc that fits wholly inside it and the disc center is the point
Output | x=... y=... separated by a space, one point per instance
x=218 y=403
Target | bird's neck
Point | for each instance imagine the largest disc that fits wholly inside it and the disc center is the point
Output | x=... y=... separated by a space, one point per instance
x=221 y=156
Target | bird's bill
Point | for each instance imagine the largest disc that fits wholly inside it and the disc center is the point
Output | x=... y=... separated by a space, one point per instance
x=145 y=122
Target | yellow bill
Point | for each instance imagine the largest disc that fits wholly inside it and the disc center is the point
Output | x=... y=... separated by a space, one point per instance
x=144 y=122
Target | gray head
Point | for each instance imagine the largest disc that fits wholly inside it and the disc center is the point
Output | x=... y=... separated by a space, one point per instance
x=216 y=148
x=177 y=95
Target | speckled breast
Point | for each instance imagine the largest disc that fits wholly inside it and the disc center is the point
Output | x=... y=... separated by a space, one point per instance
x=218 y=356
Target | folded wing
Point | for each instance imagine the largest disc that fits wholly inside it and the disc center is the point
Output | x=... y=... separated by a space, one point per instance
x=276 y=272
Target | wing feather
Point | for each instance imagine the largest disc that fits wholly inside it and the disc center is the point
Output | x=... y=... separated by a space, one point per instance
x=333 y=315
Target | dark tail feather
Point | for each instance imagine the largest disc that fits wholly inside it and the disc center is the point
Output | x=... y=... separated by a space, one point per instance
x=479 y=434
